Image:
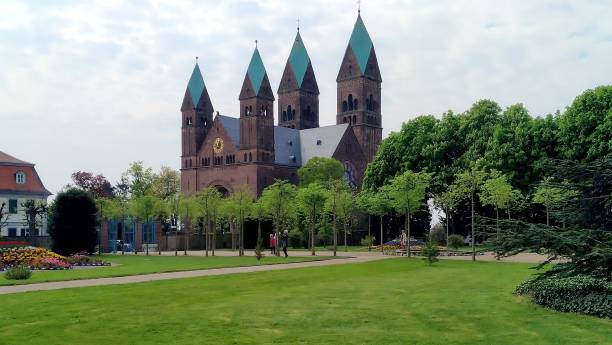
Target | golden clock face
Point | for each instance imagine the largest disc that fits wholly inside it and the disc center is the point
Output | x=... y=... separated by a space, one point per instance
x=218 y=145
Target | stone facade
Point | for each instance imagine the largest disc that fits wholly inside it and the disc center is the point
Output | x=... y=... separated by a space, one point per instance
x=250 y=151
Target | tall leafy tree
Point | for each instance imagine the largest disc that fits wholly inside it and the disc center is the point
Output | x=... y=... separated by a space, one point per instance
x=466 y=186
x=166 y=183
x=379 y=204
x=209 y=200
x=311 y=201
x=553 y=196
x=408 y=195
x=138 y=179
x=242 y=201
x=447 y=201
x=346 y=208
x=97 y=185
x=146 y=209
x=278 y=199
x=258 y=211
x=321 y=170
x=335 y=187
x=188 y=214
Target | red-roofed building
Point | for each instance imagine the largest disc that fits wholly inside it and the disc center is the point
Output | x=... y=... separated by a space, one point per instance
x=19 y=182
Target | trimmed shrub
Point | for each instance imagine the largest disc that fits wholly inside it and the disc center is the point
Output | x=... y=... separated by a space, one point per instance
x=455 y=241
x=18 y=273
x=73 y=221
x=581 y=294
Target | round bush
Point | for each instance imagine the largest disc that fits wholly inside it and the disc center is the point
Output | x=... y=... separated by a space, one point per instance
x=18 y=273
x=455 y=241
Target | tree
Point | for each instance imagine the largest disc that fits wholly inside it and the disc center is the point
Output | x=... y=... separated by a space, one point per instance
x=97 y=185
x=242 y=201
x=146 y=208
x=108 y=208
x=346 y=208
x=187 y=211
x=4 y=214
x=166 y=183
x=311 y=200
x=466 y=186
x=407 y=192
x=585 y=128
x=73 y=222
x=209 y=200
x=34 y=213
x=138 y=179
x=321 y=170
x=378 y=204
x=335 y=188
x=278 y=202
x=553 y=196
x=447 y=201
x=258 y=211
x=497 y=192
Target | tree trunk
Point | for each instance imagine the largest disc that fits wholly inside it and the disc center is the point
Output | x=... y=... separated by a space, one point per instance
x=206 y=234
x=335 y=232
x=369 y=232
x=345 y=245
x=213 y=235
x=547 y=217
x=381 y=235
x=407 y=225
x=258 y=230
x=447 y=216
x=241 y=236
x=473 y=232
x=497 y=227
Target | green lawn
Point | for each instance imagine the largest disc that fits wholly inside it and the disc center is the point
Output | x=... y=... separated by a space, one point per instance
x=140 y=264
x=395 y=301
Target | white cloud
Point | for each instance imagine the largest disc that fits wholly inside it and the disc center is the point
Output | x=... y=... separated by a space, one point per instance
x=95 y=85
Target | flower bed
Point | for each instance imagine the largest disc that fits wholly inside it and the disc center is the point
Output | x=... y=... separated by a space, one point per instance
x=13 y=244
x=44 y=259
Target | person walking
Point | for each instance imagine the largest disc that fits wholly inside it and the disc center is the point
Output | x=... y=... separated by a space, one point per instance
x=285 y=241
x=272 y=244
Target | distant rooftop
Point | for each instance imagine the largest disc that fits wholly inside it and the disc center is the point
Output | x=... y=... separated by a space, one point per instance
x=6 y=159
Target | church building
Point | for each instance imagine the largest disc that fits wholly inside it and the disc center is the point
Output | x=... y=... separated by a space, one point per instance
x=250 y=150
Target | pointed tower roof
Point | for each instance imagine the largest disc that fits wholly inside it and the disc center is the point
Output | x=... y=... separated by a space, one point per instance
x=299 y=59
x=196 y=85
x=256 y=71
x=361 y=43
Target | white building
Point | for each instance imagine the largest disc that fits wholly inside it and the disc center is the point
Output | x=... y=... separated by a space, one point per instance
x=19 y=182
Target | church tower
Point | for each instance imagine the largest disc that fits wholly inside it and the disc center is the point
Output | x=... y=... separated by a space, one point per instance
x=197 y=111
x=257 y=112
x=298 y=92
x=359 y=84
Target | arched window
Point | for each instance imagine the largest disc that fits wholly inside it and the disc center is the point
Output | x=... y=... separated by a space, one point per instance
x=246 y=111
x=308 y=113
x=293 y=114
x=284 y=115
x=250 y=157
x=368 y=104
x=245 y=156
x=350 y=121
x=20 y=177
x=354 y=119
x=356 y=106
x=344 y=106
x=374 y=106
x=344 y=119
x=289 y=113
x=350 y=102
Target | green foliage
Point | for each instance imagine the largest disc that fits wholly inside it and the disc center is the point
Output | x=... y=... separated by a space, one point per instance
x=146 y=208
x=430 y=251
x=496 y=191
x=367 y=241
x=166 y=183
x=18 y=273
x=407 y=191
x=138 y=179
x=279 y=203
x=320 y=170
x=311 y=202
x=34 y=213
x=585 y=128
x=580 y=293
x=438 y=233
x=73 y=222
x=296 y=239
x=455 y=241
x=259 y=251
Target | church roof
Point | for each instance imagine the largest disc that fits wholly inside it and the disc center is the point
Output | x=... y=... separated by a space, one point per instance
x=299 y=59
x=293 y=147
x=196 y=85
x=321 y=141
x=256 y=71
x=361 y=43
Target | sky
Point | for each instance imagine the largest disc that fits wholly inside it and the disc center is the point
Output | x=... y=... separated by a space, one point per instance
x=95 y=85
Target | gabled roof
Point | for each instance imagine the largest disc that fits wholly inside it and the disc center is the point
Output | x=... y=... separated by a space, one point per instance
x=6 y=159
x=256 y=71
x=232 y=126
x=321 y=141
x=361 y=43
x=298 y=59
x=287 y=146
x=196 y=85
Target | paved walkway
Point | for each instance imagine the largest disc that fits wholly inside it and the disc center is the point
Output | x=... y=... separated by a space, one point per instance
x=183 y=274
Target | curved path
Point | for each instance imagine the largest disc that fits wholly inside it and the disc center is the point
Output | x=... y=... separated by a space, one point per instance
x=182 y=274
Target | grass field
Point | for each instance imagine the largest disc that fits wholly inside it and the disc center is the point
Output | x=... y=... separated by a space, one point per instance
x=139 y=264
x=394 y=301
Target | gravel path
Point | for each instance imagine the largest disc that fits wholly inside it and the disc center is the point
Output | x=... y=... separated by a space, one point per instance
x=177 y=275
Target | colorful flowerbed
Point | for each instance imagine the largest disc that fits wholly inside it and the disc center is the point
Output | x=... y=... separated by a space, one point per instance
x=43 y=259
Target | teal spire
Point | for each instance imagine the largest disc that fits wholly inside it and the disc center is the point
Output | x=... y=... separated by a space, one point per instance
x=256 y=71
x=360 y=43
x=196 y=85
x=299 y=59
